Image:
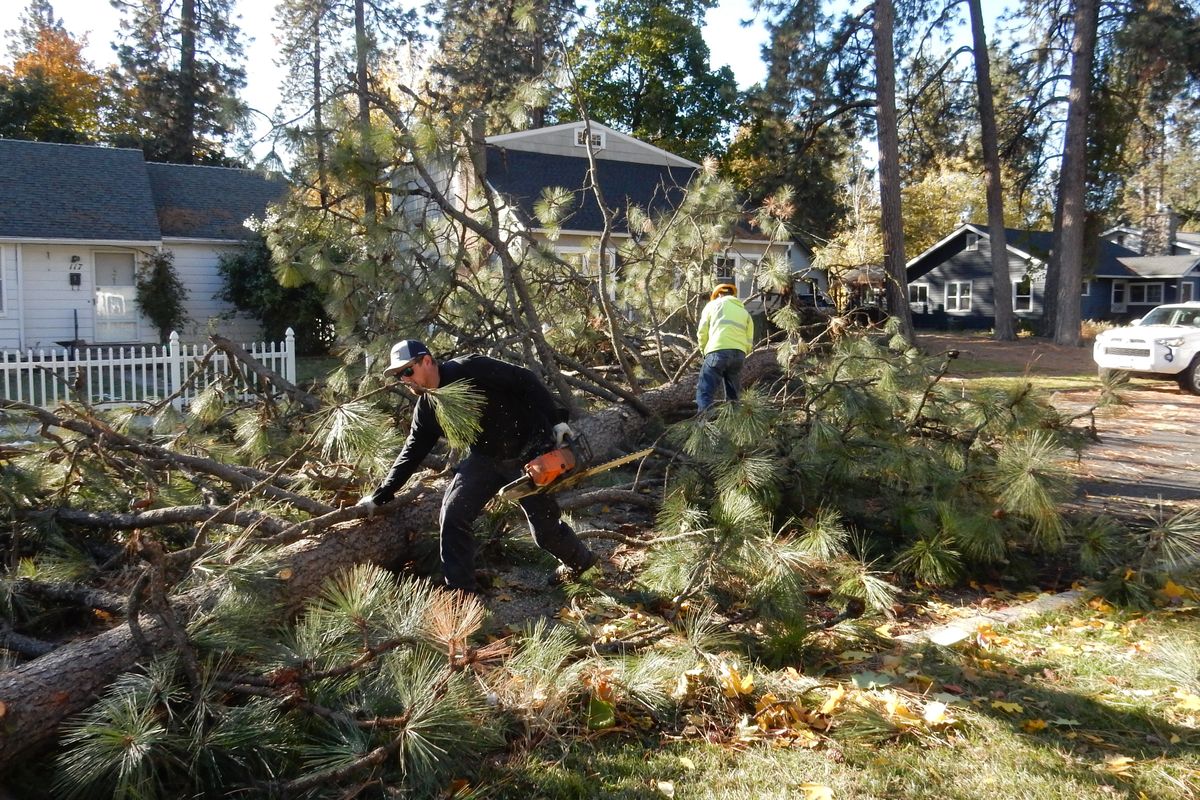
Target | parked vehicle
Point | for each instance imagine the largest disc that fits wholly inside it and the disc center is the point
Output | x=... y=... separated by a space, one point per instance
x=1164 y=344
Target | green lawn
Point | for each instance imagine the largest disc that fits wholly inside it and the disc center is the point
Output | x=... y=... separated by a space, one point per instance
x=1090 y=704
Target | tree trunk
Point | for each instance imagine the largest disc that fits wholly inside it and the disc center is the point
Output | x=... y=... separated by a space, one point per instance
x=318 y=112
x=364 y=112
x=892 y=221
x=1072 y=185
x=183 y=139
x=1001 y=281
x=37 y=696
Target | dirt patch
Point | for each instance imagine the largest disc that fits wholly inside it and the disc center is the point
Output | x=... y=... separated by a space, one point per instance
x=1020 y=357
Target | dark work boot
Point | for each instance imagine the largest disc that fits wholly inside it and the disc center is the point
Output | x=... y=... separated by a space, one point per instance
x=567 y=573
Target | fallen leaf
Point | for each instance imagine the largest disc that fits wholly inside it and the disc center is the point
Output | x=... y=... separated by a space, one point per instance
x=1034 y=725
x=687 y=763
x=1011 y=708
x=665 y=788
x=834 y=700
x=948 y=635
x=816 y=791
x=601 y=714
x=935 y=713
x=1118 y=765
x=732 y=682
x=870 y=680
x=1187 y=700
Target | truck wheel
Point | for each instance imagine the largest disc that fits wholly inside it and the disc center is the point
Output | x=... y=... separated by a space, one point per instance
x=1189 y=379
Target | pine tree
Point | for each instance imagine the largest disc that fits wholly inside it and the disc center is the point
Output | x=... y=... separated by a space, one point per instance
x=178 y=66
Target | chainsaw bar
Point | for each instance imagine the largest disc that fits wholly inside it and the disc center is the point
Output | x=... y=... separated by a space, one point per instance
x=523 y=486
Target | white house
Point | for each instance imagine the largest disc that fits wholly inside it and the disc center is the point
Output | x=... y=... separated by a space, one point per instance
x=75 y=222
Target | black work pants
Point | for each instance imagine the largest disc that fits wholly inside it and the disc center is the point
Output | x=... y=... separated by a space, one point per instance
x=476 y=480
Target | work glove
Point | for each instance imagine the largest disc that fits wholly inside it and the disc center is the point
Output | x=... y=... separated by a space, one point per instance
x=561 y=432
x=368 y=503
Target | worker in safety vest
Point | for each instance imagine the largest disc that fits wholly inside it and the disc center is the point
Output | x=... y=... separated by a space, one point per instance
x=726 y=335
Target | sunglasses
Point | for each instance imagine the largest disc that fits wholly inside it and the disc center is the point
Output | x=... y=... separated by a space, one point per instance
x=407 y=372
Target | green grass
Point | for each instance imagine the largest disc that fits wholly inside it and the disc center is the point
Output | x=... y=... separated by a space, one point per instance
x=1100 y=681
x=315 y=369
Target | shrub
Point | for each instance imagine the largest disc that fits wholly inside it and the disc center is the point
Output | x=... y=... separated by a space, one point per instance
x=161 y=294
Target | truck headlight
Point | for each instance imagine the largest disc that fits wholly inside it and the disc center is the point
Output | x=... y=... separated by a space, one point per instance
x=1175 y=342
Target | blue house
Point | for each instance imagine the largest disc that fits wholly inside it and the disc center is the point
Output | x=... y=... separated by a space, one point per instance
x=951 y=283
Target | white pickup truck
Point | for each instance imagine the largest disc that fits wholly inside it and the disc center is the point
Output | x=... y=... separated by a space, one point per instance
x=1163 y=344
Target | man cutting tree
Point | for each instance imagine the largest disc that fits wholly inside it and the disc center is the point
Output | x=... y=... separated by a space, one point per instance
x=514 y=418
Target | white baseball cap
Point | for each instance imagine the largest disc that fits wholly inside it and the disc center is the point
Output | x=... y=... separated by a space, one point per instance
x=404 y=353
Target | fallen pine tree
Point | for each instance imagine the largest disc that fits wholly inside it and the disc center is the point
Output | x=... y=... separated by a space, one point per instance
x=37 y=696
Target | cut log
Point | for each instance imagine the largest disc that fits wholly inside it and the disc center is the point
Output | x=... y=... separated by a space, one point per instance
x=38 y=696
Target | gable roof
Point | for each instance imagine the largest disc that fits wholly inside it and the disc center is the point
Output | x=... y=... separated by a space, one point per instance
x=209 y=202
x=1029 y=245
x=70 y=191
x=559 y=136
x=522 y=175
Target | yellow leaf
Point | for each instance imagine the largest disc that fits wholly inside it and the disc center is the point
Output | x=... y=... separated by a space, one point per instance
x=834 y=700
x=1187 y=700
x=1176 y=592
x=1099 y=604
x=1033 y=725
x=665 y=788
x=1118 y=765
x=935 y=713
x=1011 y=708
x=286 y=574
x=687 y=763
x=816 y=791
x=732 y=682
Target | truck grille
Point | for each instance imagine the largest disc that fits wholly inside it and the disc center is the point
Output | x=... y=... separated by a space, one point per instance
x=1127 y=351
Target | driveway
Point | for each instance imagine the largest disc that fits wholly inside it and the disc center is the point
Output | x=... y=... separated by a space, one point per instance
x=1146 y=461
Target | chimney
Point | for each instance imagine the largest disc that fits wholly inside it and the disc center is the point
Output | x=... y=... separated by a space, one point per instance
x=1158 y=234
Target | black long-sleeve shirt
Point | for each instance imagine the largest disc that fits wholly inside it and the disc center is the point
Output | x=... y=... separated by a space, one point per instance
x=518 y=413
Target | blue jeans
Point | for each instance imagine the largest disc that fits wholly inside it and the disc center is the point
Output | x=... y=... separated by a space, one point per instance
x=720 y=367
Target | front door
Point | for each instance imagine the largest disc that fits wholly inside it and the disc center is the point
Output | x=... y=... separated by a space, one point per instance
x=116 y=298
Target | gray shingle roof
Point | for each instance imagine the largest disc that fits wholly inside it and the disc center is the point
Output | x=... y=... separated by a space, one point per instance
x=521 y=176
x=209 y=202
x=1161 y=266
x=67 y=191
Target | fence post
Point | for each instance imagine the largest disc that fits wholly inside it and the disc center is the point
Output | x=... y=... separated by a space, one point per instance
x=289 y=347
x=175 y=368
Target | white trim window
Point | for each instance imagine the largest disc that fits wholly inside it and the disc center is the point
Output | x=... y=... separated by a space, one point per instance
x=724 y=270
x=972 y=241
x=918 y=295
x=1023 y=294
x=1145 y=294
x=1085 y=289
x=958 y=296
x=581 y=138
x=1187 y=291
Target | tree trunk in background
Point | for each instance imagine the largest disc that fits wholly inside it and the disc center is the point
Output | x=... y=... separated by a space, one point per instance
x=364 y=112
x=318 y=114
x=1072 y=187
x=1001 y=280
x=183 y=134
x=38 y=695
x=892 y=222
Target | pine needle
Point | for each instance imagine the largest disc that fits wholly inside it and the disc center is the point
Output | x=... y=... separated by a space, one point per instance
x=458 y=407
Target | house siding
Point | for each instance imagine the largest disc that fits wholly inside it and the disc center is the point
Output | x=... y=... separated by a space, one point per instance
x=196 y=266
x=974 y=266
x=9 y=319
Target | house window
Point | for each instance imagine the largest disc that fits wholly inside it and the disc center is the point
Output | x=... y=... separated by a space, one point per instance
x=724 y=269
x=972 y=241
x=1086 y=289
x=587 y=264
x=1187 y=292
x=3 y=286
x=1145 y=294
x=918 y=293
x=581 y=138
x=1118 y=297
x=1023 y=294
x=958 y=296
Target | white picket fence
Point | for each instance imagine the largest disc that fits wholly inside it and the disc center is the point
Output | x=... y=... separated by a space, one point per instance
x=134 y=375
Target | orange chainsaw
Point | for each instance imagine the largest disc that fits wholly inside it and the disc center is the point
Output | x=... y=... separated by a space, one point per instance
x=561 y=468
